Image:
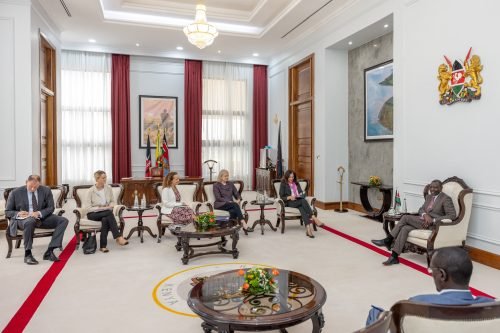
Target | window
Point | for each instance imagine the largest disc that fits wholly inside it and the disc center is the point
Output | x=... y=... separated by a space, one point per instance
x=86 y=115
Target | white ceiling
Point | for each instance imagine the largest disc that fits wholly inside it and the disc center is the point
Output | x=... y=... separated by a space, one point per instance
x=266 y=27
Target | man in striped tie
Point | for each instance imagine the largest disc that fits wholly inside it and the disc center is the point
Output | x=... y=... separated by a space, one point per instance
x=437 y=206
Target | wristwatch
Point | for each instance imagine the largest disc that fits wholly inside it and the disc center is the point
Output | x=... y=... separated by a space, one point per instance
x=434 y=220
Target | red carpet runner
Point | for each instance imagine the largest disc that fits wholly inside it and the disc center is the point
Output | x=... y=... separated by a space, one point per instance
x=23 y=316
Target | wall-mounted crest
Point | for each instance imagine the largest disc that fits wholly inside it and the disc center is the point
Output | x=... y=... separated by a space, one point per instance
x=460 y=81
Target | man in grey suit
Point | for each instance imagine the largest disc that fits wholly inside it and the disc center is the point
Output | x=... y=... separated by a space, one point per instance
x=32 y=206
x=437 y=207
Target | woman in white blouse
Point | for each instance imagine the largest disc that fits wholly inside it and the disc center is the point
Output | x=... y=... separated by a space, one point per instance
x=172 y=205
x=100 y=203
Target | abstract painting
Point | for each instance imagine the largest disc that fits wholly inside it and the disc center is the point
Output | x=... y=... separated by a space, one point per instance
x=157 y=113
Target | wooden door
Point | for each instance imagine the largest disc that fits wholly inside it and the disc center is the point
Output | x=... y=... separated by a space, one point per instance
x=301 y=119
x=48 y=115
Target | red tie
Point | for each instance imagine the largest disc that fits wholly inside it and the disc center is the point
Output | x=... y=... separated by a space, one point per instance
x=431 y=203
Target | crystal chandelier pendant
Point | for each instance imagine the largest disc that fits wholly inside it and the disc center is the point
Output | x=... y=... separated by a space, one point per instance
x=200 y=32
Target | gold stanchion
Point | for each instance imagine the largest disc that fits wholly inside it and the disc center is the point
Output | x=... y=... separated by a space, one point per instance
x=341 y=171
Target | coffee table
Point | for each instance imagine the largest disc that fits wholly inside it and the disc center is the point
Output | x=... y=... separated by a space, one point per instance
x=262 y=220
x=140 y=228
x=222 y=307
x=185 y=233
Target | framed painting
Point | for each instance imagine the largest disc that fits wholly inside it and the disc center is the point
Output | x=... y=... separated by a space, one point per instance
x=379 y=102
x=157 y=114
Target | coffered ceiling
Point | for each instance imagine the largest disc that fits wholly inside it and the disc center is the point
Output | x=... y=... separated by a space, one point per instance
x=154 y=27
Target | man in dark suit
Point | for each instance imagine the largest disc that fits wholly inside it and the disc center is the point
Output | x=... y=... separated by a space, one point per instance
x=32 y=206
x=437 y=207
x=451 y=269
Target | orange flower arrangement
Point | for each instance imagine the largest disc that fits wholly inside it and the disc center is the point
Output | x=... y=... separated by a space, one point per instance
x=205 y=220
x=259 y=280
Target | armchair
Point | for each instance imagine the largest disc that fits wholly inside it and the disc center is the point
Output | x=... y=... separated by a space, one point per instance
x=446 y=232
x=209 y=199
x=189 y=192
x=58 y=195
x=289 y=213
x=3 y=219
x=380 y=326
x=416 y=317
x=84 y=225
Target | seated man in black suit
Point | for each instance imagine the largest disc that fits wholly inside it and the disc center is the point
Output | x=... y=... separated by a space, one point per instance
x=32 y=206
x=451 y=270
x=437 y=207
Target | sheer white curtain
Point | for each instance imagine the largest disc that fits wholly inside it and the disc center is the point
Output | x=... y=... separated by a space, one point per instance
x=227 y=118
x=86 y=115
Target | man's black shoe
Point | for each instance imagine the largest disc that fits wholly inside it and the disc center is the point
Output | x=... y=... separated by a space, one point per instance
x=30 y=260
x=49 y=255
x=391 y=261
x=387 y=242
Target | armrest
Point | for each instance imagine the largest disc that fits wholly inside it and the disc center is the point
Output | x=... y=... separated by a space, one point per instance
x=243 y=205
x=204 y=207
x=311 y=201
x=280 y=205
x=118 y=210
x=58 y=211
x=80 y=212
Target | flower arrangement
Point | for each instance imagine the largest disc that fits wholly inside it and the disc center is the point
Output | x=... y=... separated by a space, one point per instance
x=375 y=181
x=205 y=220
x=259 y=280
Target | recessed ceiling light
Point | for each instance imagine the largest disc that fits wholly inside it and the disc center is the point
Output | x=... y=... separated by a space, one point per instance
x=375 y=45
x=350 y=43
x=386 y=26
x=255 y=54
x=179 y=48
x=219 y=51
x=137 y=44
x=92 y=40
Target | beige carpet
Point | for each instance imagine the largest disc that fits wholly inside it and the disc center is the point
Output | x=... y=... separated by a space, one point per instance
x=113 y=292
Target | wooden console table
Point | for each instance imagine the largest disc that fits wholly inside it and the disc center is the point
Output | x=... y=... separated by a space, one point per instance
x=386 y=203
x=147 y=186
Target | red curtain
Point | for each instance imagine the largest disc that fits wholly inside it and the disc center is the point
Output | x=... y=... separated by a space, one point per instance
x=120 y=117
x=192 y=117
x=259 y=114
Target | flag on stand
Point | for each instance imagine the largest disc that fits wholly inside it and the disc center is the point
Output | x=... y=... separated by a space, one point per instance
x=397 y=200
x=148 y=159
x=165 y=159
x=279 y=159
x=158 y=151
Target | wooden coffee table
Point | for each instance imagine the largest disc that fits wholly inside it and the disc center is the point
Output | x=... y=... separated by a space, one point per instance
x=222 y=307
x=185 y=233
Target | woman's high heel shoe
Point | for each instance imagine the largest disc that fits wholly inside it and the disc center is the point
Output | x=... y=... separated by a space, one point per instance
x=121 y=241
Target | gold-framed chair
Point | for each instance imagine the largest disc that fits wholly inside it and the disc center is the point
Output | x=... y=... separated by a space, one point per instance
x=209 y=199
x=58 y=194
x=417 y=317
x=83 y=225
x=381 y=325
x=188 y=191
x=285 y=213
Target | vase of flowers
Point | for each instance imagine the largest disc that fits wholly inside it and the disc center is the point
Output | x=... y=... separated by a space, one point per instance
x=205 y=220
x=375 y=181
x=259 y=280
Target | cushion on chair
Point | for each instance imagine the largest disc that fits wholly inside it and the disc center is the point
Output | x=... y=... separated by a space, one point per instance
x=56 y=193
x=219 y=212
x=415 y=324
x=420 y=234
x=86 y=223
x=37 y=231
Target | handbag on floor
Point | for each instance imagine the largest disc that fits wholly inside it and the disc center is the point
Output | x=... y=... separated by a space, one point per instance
x=90 y=243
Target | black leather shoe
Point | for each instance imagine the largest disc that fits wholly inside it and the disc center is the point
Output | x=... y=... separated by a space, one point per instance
x=387 y=242
x=30 y=260
x=391 y=261
x=49 y=255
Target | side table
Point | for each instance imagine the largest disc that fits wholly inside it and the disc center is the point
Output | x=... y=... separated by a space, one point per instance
x=140 y=228
x=386 y=203
x=389 y=221
x=262 y=220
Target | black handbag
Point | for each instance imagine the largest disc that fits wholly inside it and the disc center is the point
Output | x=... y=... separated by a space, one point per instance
x=90 y=243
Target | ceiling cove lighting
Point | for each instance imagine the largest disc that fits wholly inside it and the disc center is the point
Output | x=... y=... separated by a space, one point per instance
x=201 y=33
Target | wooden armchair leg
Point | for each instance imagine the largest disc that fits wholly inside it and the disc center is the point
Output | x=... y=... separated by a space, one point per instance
x=9 y=243
x=18 y=243
x=283 y=225
x=158 y=224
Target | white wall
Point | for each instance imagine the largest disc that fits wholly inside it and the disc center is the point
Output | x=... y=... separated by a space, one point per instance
x=16 y=129
x=431 y=141
x=156 y=77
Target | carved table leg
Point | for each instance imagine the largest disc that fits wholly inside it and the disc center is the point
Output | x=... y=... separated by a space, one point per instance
x=318 y=322
x=207 y=328
x=178 y=246
x=235 y=236
x=185 y=247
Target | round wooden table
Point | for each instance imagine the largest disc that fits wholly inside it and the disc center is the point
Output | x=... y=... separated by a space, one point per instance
x=262 y=220
x=140 y=228
x=223 y=308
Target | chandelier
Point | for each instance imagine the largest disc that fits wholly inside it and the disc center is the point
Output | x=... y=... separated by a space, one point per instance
x=200 y=32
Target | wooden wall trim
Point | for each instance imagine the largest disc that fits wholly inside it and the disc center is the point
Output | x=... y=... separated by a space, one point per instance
x=336 y=205
x=484 y=257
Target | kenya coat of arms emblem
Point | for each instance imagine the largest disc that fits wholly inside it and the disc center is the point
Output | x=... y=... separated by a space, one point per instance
x=460 y=81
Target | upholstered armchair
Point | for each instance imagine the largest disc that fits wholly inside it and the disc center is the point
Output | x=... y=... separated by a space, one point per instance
x=188 y=191
x=3 y=219
x=289 y=213
x=209 y=199
x=380 y=326
x=446 y=232
x=416 y=317
x=83 y=225
x=58 y=195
